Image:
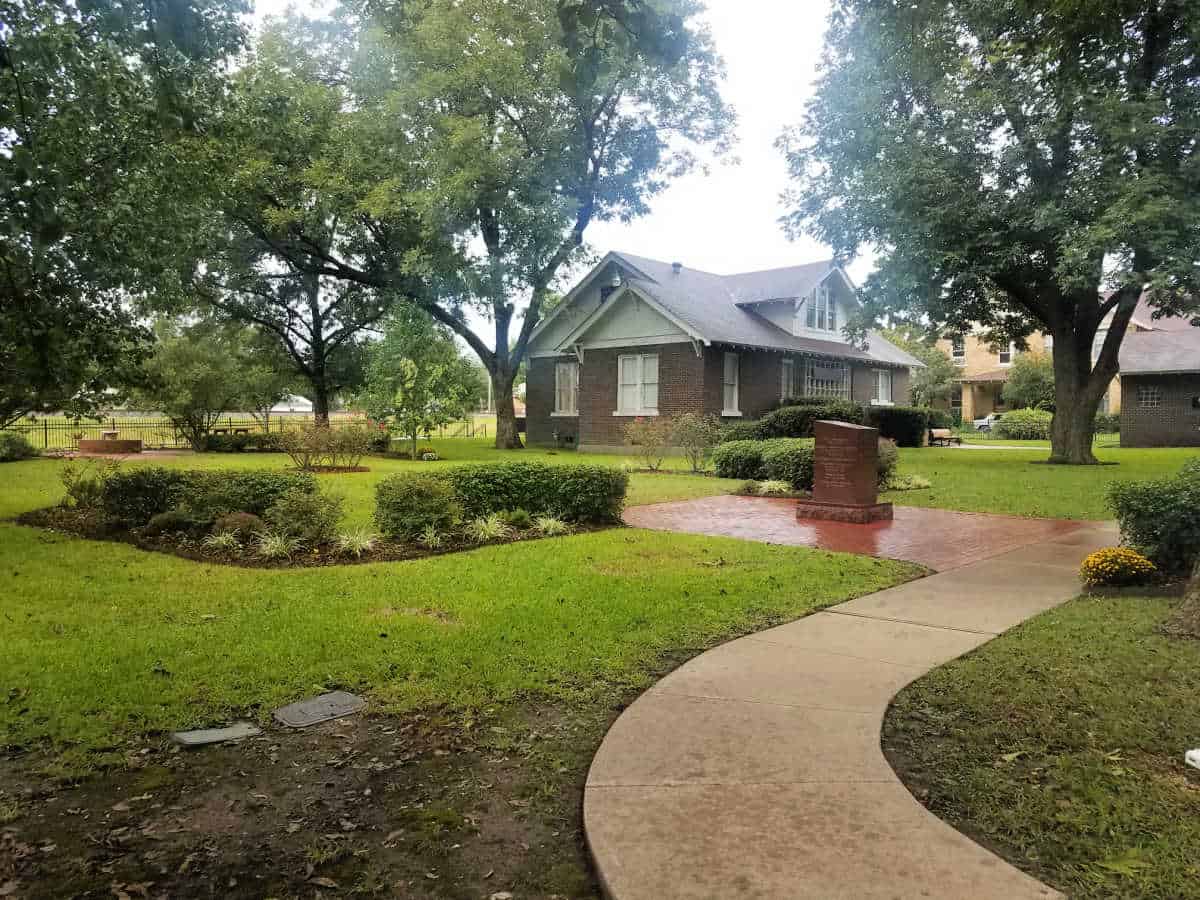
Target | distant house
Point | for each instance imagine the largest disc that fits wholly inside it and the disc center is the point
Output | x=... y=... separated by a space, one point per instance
x=1160 y=388
x=639 y=337
x=293 y=404
x=984 y=367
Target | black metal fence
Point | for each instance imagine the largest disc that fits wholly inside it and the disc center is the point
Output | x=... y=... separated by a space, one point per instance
x=161 y=434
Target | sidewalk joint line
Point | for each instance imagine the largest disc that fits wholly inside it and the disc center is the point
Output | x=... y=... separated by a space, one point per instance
x=690 y=696
x=842 y=612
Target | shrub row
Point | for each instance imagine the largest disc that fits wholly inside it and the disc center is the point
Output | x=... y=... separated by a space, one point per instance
x=1161 y=518
x=797 y=421
x=134 y=495
x=785 y=459
x=238 y=443
x=906 y=425
x=406 y=504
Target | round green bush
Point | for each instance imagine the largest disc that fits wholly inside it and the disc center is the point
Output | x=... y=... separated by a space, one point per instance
x=1024 y=425
x=172 y=521
x=797 y=421
x=14 y=446
x=241 y=525
x=311 y=518
x=407 y=505
x=790 y=460
x=887 y=460
x=738 y=459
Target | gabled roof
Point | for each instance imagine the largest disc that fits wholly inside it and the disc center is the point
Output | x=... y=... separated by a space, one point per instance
x=1161 y=352
x=1143 y=316
x=720 y=308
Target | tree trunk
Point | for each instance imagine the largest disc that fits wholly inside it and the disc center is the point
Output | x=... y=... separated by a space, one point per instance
x=1077 y=394
x=507 y=436
x=320 y=401
x=415 y=434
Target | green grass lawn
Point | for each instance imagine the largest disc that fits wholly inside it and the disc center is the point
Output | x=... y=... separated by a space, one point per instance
x=1016 y=483
x=103 y=641
x=1060 y=745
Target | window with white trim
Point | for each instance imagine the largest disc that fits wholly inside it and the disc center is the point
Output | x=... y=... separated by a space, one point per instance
x=637 y=384
x=1007 y=356
x=826 y=379
x=821 y=310
x=956 y=393
x=729 y=383
x=790 y=385
x=1149 y=396
x=566 y=388
x=958 y=349
x=882 y=393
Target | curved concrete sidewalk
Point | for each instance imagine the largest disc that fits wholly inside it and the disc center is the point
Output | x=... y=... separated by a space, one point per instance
x=755 y=769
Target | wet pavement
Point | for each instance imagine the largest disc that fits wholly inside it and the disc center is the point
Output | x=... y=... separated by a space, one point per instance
x=937 y=538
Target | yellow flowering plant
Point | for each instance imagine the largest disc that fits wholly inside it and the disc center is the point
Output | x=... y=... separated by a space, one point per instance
x=1115 y=566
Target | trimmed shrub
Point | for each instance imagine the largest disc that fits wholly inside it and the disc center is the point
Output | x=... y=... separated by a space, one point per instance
x=408 y=505
x=241 y=525
x=1024 y=424
x=1116 y=567
x=906 y=425
x=518 y=518
x=738 y=459
x=84 y=484
x=136 y=494
x=887 y=460
x=790 y=460
x=1161 y=518
x=237 y=443
x=14 y=446
x=943 y=418
x=172 y=521
x=574 y=493
x=1108 y=423
x=797 y=421
x=310 y=517
x=738 y=431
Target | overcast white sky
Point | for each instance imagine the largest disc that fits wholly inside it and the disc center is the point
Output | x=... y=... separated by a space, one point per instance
x=728 y=220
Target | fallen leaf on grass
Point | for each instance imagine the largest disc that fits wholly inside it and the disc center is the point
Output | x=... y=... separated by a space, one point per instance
x=1127 y=864
x=322 y=881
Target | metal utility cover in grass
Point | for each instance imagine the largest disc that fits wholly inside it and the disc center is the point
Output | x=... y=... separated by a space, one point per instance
x=205 y=736
x=333 y=705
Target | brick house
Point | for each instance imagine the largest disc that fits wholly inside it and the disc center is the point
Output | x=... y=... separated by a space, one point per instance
x=638 y=337
x=1160 y=387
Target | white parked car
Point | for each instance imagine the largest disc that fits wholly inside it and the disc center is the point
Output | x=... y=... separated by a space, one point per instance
x=986 y=423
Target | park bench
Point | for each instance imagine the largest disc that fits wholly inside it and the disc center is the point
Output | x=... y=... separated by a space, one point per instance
x=943 y=437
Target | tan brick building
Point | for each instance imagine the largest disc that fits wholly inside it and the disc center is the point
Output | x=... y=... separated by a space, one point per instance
x=638 y=338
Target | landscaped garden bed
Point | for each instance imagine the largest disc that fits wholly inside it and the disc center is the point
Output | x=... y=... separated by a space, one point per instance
x=261 y=518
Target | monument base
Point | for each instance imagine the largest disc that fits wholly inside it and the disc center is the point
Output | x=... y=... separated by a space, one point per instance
x=854 y=513
x=91 y=445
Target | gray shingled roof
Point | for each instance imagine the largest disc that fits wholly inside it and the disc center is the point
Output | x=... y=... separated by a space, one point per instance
x=1149 y=352
x=715 y=306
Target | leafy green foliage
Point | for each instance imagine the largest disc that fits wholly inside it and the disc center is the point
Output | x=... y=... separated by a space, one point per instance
x=223 y=541
x=314 y=445
x=577 y=493
x=14 y=446
x=519 y=519
x=173 y=521
x=695 y=435
x=276 y=546
x=417 y=380
x=1161 y=518
x=551 y=526
x=908 y=426
x=738 y=431
x=136 y=493
x=243 y=525
x=488 y=528
x=1016 y=160
x=409 y=504
x=650 y=436
x=356 y=543
x=739 y=459
x=1030 y=382
x=886 y=461
x=312 y=517
x=789 y=460
x=934 y=382
x=1025 y=424
x=797 y=421
x=1108 y=423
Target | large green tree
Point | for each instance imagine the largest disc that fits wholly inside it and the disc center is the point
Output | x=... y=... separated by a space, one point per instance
x=1024 y=165
x=90 y=94
x=487 y=137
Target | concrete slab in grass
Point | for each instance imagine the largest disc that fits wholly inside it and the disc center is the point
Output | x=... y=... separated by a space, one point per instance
x=204 y=736
x=863 y=841
x=873 y=639
x=736 y=742
x=319 y=709
x=771 y=673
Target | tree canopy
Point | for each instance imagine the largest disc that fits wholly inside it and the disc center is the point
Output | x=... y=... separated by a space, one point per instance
x=1021 y=165
x=1030 y=382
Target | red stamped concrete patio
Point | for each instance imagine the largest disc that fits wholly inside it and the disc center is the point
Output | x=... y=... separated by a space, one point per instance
x=937 y=538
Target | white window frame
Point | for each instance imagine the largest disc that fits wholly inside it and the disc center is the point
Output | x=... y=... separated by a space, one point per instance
x=787 y=377
x=959 y=355
x=956 y=399
x=1012 y=352
x=568 y=371
x=731 y=385
x=826 y=379
x=1149 y=396
x=819 y=311
x=646 y=365
x=878 y=380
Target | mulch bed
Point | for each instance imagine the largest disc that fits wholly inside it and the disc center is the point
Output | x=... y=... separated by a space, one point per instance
x=94 y=527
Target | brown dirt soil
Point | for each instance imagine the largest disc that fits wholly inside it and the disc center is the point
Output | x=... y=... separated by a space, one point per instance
x=94 y=527
x=420 y=806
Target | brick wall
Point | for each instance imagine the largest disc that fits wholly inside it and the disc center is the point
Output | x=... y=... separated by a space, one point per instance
x=1175 y=422
x=539 y=403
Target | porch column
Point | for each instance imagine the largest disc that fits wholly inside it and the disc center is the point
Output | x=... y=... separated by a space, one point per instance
x=968 y=402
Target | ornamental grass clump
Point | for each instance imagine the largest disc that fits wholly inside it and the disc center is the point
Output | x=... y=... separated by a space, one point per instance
x=1116 y=567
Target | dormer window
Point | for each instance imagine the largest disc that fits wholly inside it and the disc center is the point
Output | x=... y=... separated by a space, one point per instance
x=820 y=311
